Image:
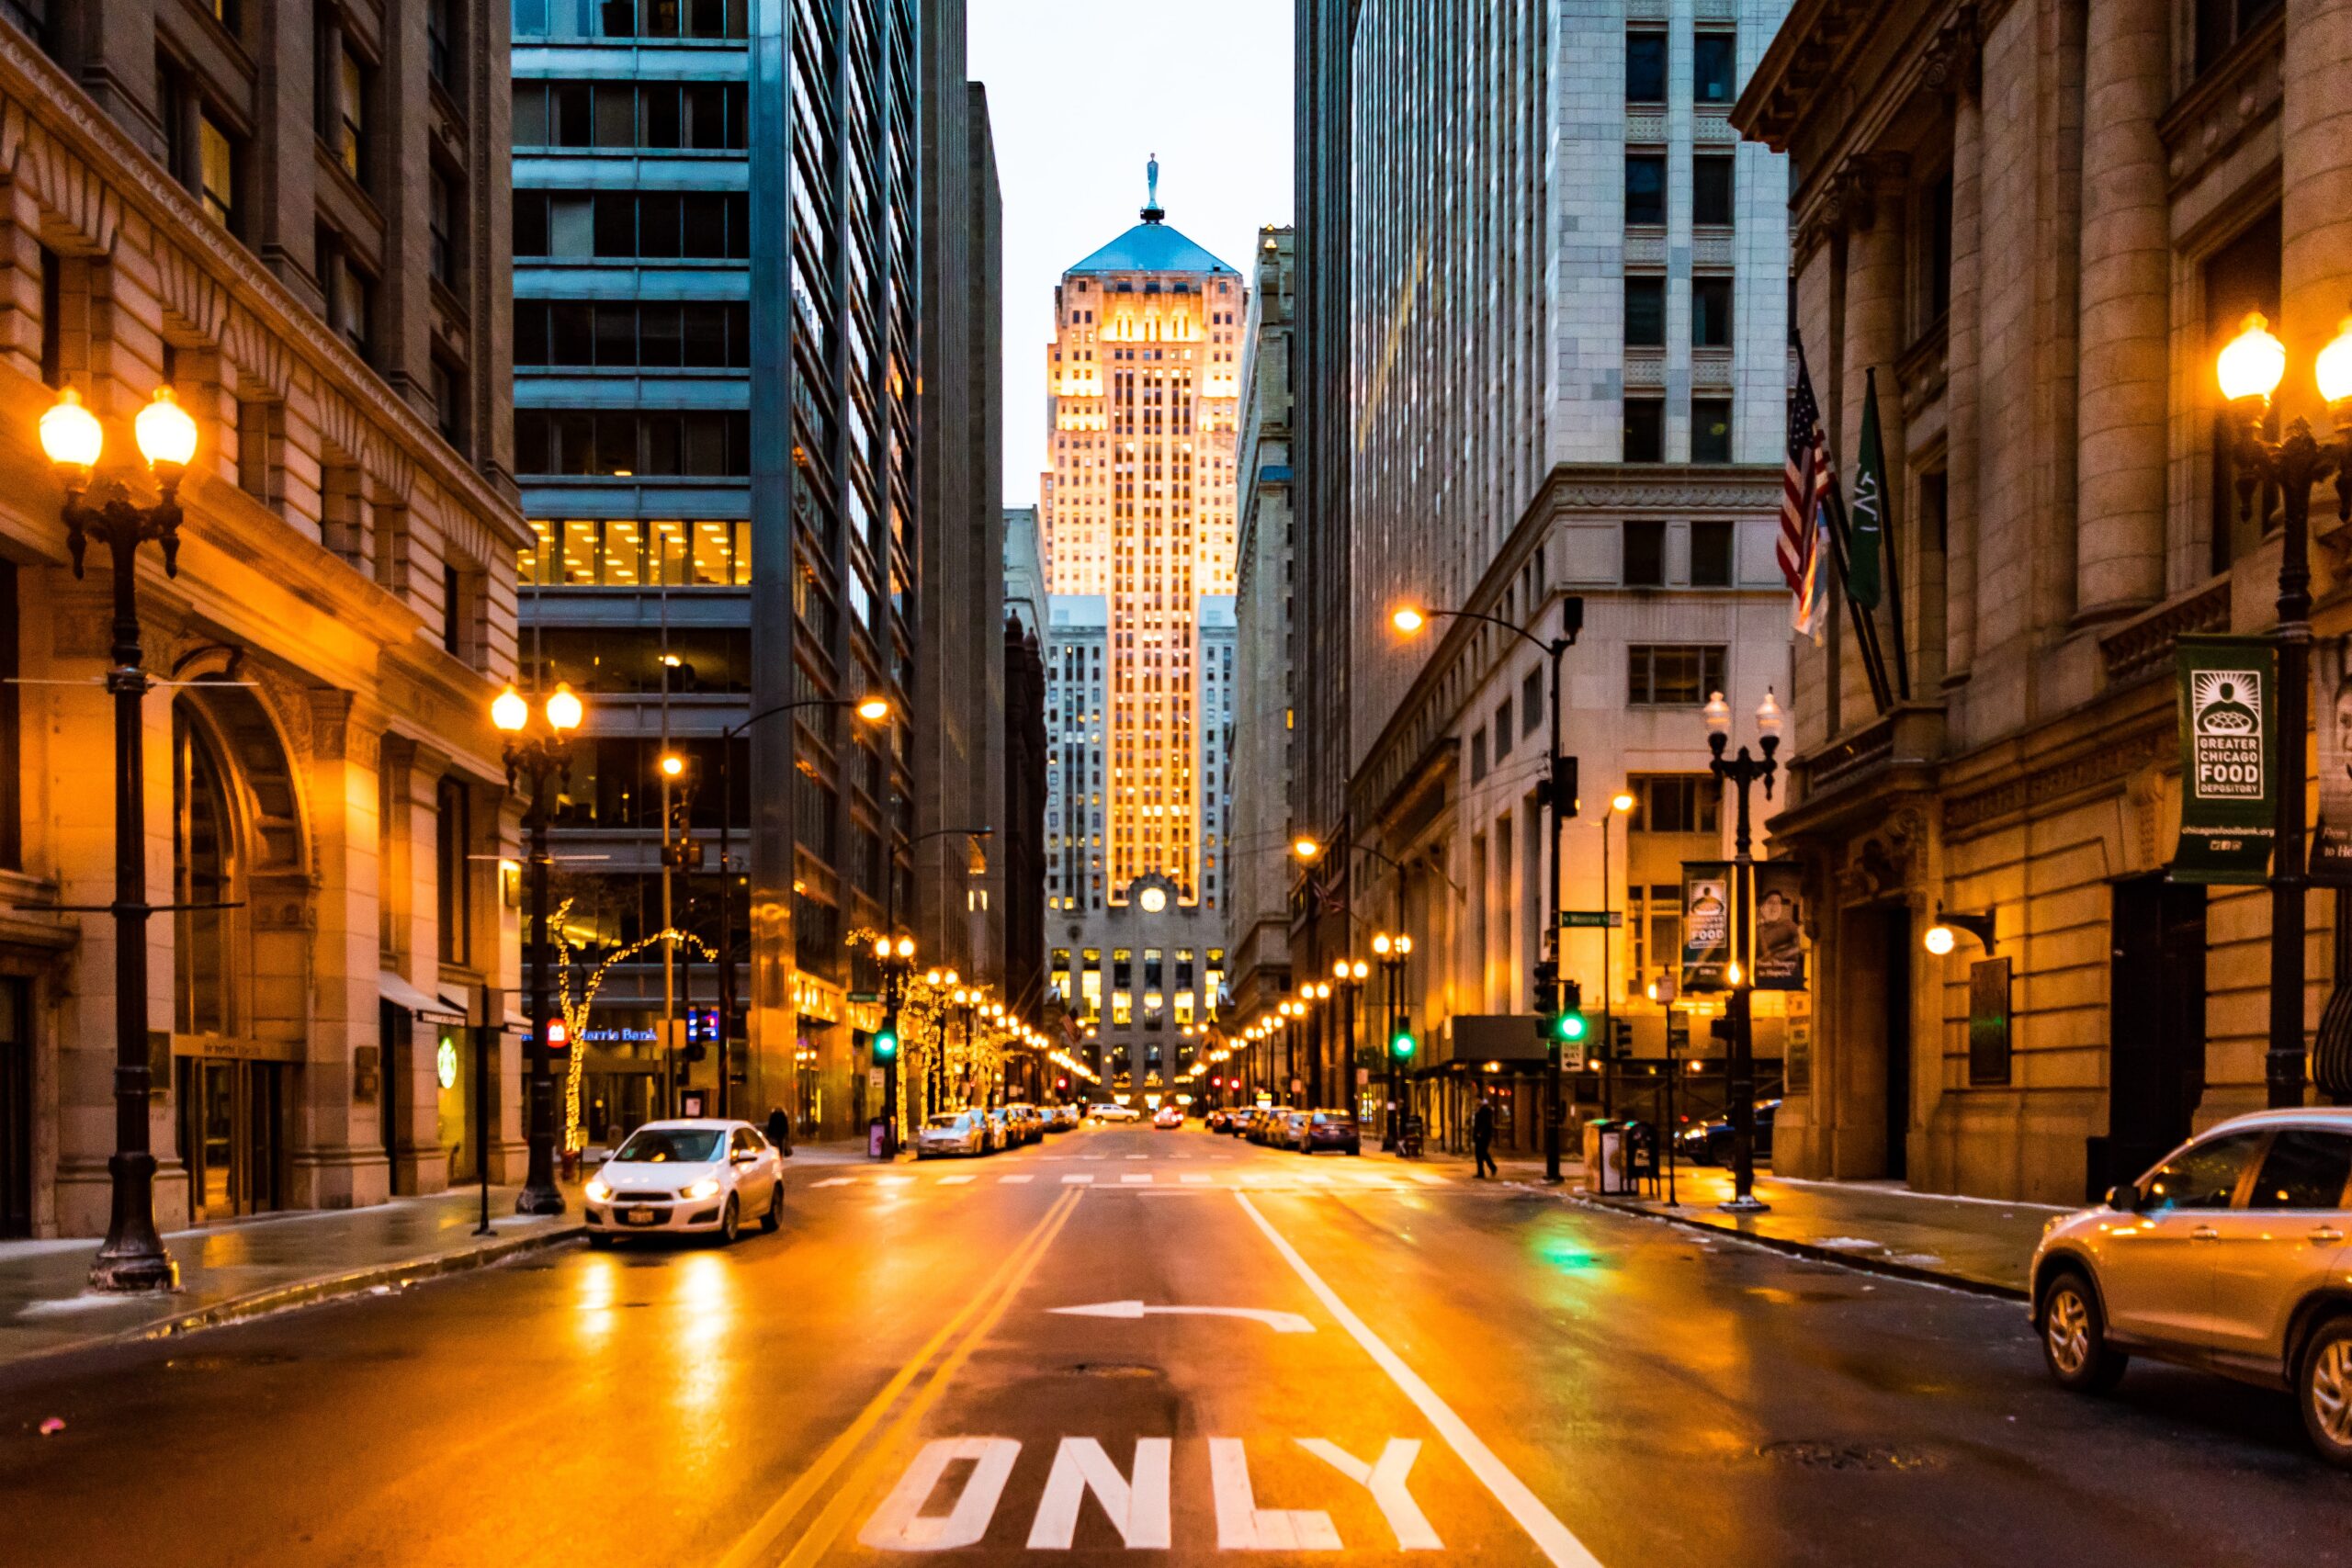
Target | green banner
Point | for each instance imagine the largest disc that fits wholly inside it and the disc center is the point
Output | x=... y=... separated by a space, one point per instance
x=1870 y=506
x=2229 y=752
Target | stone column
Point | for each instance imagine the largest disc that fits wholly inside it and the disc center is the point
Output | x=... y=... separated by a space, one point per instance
x=2315 y=192
x=338 y=1160
x=2126 y=290
x=1962 y=357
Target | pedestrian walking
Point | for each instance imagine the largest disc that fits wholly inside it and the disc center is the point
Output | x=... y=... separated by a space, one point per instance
x=780 y=1131
x=1482 y=1138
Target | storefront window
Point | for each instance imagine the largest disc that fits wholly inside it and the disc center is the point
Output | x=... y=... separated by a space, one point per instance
x=200 y=872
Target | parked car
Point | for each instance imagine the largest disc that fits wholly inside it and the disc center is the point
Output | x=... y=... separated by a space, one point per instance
x=1060 y=1118
x=1217 y=1121
x=953 y=1132
x=1028 y=1125
x=1709 y=1143
x=1330 y=1130
x=1166 y=1117
x=1266 y=1130
x=1290 y=1131
x=1109 y=1112
x=693 y=1176
x=2230 y=1255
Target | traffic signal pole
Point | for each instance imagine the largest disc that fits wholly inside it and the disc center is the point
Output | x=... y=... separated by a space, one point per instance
x=1556 y=793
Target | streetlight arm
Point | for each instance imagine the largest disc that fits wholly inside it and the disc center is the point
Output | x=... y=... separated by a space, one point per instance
x=733 y=731
x=1530 y=639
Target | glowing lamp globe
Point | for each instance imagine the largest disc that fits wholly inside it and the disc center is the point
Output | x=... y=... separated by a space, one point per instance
x=70 y=432
x=2254 y=362
x=509 y=713
x=166 y=435
x=564 y=709
x=873 y=710
x=2334 y=369
x=1407 y=620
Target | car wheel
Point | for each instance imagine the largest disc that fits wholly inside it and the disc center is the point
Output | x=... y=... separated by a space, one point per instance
x=774 y=1216
x=2324 y=1389
x=731 y=1222
x=2074 y=1336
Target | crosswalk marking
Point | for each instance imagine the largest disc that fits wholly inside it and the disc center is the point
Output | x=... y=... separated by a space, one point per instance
x=1137 y=1178
x=1078 y=1178
x=1014 y=1181
x=1255 y=1180
x=1195 y=1178
x=836 y=1181
x=954 y=1180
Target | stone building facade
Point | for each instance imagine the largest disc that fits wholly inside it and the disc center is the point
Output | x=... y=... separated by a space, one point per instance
x=1566 y=336
x=293 y=216
x=2038 y=222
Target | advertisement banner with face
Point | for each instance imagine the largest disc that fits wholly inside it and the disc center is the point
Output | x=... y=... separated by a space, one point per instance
x=1779 y=938
x=1706 y=925
x=2332 y=837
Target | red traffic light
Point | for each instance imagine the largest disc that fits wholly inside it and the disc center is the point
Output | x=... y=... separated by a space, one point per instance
x=558 y=1037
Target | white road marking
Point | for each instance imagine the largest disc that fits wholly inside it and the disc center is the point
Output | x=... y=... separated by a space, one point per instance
x=1242 y=1526
x=1014 y=1181
x=1136 y=1177
x=954 y=1180
x=895 y=1181
x=899 y=1525
x=1138 y=1157
x=1079 y=1177
x=1195 y=1178
x=1426 y=1180
x=1139 y=1511
x=836 y=1181
x=1385 y=1482
x=1280 y=1322
x=1555 y=1540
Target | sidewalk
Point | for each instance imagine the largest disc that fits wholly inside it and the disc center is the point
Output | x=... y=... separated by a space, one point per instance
x=1973 y=1243
x=244 y=1268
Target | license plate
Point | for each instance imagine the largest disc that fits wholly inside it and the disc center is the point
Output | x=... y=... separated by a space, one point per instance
x=641 y=1216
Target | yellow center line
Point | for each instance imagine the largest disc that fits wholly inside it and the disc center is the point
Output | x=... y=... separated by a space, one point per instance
x=754 y=1543
x=862 y=1481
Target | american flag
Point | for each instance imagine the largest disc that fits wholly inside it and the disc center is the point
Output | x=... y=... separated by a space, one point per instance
x=1808 y=480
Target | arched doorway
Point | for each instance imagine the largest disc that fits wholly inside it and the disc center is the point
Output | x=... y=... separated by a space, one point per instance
x=237 y=1028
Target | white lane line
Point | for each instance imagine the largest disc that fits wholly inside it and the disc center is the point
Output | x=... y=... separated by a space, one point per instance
x=1079 y=1179
x=895 y=1181
x=1555 y=1540
x=834 y=1181
x=1137 y=1178
x=954 y=1180
x=1138 y=1157
x=1014 y=1181
x=1195 y=1178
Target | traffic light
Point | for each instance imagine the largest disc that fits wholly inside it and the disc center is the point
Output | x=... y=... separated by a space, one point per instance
x=886 y=1043
x=1548 y=989
x=1566 y=1023
x=1621 y=1031
x=1401 y=1045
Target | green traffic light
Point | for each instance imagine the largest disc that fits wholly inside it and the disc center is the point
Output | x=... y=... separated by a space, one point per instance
x=1400 y=1044
x=885 y=1045
x=1570 y=1027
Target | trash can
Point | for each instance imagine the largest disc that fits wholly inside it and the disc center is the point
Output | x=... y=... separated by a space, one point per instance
x=1605 y=1166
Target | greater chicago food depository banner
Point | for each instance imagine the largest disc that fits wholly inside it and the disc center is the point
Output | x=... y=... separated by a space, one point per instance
x=2229 y=759
x=1706 y=925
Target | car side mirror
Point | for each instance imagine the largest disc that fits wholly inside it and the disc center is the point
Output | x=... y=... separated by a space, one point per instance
x=746 y=1156
x=2124 y=1198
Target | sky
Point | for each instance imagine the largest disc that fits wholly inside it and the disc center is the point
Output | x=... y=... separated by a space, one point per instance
x=1082 y=92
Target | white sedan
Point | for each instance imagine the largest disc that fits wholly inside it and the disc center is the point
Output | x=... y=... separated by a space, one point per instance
x=697 y=1176
x=1108 y=1113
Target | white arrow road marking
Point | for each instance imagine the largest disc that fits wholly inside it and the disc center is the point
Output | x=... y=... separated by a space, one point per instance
x=1280 y=1322
x=1385 y=1482
x=1242 y=1526
x=1139 y=1511
x=899 y=1524
x=1555 y=1540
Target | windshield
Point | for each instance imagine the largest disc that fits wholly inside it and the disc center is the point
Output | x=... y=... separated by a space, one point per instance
x=679 y=1146
x=946 y=1119
x=1331 y=1119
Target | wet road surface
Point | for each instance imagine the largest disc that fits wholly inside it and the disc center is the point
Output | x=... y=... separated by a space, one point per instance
x=1373 y=1363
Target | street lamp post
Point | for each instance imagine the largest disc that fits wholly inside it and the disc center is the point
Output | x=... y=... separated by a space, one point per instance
x=873 y=710
x=1392 y=951
x=1558 y=791
x=2250 y=368
x=541 y=757
x=132 y=1260
x=1619 y=805
x=1741 y=771
x=1348 y=974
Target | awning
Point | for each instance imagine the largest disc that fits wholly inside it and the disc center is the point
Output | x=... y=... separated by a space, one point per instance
x=433 y=1009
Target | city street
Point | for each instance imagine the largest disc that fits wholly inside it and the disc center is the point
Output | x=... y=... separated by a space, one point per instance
x=1370 y=1358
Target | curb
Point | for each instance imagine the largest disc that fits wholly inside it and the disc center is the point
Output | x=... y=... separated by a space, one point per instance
x=1861 y=1263
x=312 y=1293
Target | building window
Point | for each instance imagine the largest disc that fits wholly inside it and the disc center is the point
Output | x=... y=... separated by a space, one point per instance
x=1644 y=67
x=1645 y=188
x=350 y=292
x=216 y=170
x=2221 y=23
x=351 y=115
x=1711 y=190
x=261 y=451
x=442 y=219
x=1645 y=312
x=1644 y=430
x=440 y=57
x=1713 y=69
x=1674 y=802
x=1710 y=312
x=449 y=402
x=2243 y=275
x=1504 y=733
x=52 y=319
x=623 y=442
x=1477 y=756
x=452 y=840
x=1672 y=674
x=1530 y=702
x=1711 y=430
x=1643 y=563
x=649 y=336
x=1711 y=563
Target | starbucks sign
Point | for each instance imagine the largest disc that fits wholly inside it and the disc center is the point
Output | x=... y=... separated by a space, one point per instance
x=2229 y=754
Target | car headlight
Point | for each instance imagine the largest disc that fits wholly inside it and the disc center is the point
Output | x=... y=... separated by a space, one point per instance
x=707 y=1188
x=597 y=1192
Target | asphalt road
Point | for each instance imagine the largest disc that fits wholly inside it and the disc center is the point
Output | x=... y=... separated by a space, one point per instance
x=1435 y=1369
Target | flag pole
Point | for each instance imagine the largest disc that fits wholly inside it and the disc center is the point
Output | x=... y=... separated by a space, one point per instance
x=1890 y=562
x=1865 y=626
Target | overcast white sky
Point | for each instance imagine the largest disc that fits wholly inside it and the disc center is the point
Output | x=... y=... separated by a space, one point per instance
x=1080 y=92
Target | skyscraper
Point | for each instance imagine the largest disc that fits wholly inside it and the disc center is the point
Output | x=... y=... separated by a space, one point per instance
x=1138 y=512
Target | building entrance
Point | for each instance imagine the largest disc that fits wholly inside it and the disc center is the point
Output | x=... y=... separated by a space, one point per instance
x=2156 y=1073
x=232 y=1118
x=16 y=1110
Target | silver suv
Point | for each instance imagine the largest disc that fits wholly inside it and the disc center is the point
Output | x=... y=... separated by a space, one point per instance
x=2231 y=1256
